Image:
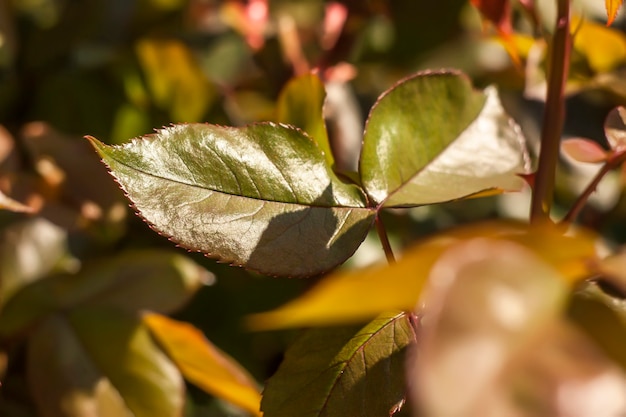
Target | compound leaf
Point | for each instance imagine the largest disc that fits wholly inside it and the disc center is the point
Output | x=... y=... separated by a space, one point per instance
x=342 y=371
x=432 y=138
x=260 y=196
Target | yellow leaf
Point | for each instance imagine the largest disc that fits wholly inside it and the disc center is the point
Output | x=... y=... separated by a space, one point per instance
x=203 y=364
x=612 y=7
x=604 y=48
x=355 y=296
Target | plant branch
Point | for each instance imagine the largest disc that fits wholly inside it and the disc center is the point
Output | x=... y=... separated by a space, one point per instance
x=582 y=198
x=554 y=115
x=384 y=239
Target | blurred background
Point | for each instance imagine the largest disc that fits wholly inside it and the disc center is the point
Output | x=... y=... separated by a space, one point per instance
x=118 y=69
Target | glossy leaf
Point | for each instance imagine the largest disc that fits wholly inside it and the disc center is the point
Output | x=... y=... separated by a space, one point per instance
x=150 y=280
x=612 y=7
x=300 y=104
x=260 y=196
x=203 y=364
x=584 y=150
x=494 y=336
x=104 y=362
x=355 y=296
x=342 y=371
x=615 y=128
x=432 y=139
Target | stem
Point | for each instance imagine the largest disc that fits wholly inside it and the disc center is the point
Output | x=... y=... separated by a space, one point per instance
x=582 y=199
x=554 y=115
x=384 y=239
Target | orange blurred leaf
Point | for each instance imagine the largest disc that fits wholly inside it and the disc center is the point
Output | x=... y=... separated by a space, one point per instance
x=612 y=7
x=203 y=364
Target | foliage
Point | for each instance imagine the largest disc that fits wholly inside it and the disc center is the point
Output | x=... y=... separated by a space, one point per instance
x=264 y=163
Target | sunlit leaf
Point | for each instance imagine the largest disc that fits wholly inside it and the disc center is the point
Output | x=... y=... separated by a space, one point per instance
x=260 y=196
x=104 y=362
x=176 y=81
x=355 y=296
x=432 y=139
x=615 y=128
x=584 y=150
x=493 y=335
x=342 y=371
x=603 y=48
x=300 y=104
x=203 y=364
x=612 y=7
x=149 y=280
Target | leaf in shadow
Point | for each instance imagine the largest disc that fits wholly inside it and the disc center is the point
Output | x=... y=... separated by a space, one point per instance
x=101 y=361
x=342 y=371
x=260 y=196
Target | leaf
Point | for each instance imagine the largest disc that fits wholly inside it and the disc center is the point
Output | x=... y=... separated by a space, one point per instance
x=432 y=139
x=101 y=362
x=203 y=364
x=584 y=150
x=243 y=195
x=176 y=81
x=497 y=12
x=615 y=128
x=604 y=49
x=342 y=371
x=354 y=296
x=29 y=250
x=612 y=7
x=149 y=280
x=493 y=335
x=300 y=104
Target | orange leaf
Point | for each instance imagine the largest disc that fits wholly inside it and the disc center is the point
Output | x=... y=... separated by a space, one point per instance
x=203 y=364
x=612 y=7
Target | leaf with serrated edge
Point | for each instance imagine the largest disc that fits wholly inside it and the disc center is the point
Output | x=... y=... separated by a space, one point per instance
x=354 y=296
x=104 y=362
x=259 y=196
x=300 y=104
x=342 y=371
x=203 y=364
x=432 y=138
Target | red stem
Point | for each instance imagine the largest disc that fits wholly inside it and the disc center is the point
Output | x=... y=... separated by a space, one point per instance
x=554 y=115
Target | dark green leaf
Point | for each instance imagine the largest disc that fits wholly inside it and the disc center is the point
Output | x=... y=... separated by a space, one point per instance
x=149 y=280
x=260 y=196
x=300 y=104
x=432 y=138
x=340 y=372
x=101 y=362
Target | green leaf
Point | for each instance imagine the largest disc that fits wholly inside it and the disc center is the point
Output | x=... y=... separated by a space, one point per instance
x=355 y=296
x=203 y=364
x=149 y=280
x=260 y=196
x=342 y=371
x=300 y=104
x=101 y=362
x=432 y=138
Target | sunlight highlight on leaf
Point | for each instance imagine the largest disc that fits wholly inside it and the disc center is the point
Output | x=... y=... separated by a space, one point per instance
x=203 y=364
